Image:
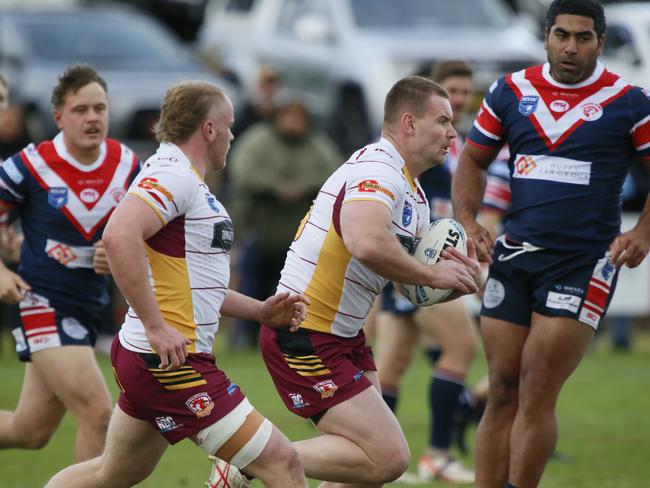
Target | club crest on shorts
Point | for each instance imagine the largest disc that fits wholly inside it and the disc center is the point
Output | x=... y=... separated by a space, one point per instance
x=528 y=104
x=57 y=197
x=201 y=404
x=326 y=388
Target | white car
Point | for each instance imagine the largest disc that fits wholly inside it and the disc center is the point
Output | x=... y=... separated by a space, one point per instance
x=627 y=42
x=342 y=56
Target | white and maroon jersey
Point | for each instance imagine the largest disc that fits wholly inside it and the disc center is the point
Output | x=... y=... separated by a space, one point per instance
x=318 y=264
x=188 y=260
x=63 y=206
x=570 y=149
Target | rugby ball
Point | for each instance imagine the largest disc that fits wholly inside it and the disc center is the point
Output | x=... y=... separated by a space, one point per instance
x=435 y=238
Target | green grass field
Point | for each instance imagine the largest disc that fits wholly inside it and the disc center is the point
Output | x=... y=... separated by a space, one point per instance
x=604 y=422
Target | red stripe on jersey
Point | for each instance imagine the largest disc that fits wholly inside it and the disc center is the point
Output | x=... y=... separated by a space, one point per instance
x=641 y=135
x=597 y=296
x=170 y=240
x=157 y=198
x=592 y=309
x=601 y=283
x=489 y=122
x=336 y=211
x=37 y=320
x=480 y=146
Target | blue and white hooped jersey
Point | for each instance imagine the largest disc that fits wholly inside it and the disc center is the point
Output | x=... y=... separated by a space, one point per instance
x=63 y=206
x=570 y=149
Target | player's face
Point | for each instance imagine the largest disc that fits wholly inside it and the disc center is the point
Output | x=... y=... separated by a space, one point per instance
x=573 y=47
x=222 y=118
x=4 y=99
x=434 y=132
x=83 y=118
x=460 y=93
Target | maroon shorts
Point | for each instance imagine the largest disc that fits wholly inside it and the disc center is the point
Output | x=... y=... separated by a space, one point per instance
x=314 y=371
x=177 y=403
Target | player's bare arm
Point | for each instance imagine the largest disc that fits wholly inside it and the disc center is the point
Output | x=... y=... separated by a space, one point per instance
x=133 y=222
x=467 y=197
x=365 y=228
x=281 y=310
x=631 y=247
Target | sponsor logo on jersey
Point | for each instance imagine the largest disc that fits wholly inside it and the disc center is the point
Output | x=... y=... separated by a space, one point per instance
x=201 y=404
x=407 y=214
x=61 y=253
x=525 y=165
x=372 y=186
x=326 y=388
x=297 y=400
x=591 y=111
x=89 y=195
x=165 y=424
x=149 y=183
x=57 y=197
x=552 y=168
x=528 y=104
x=559 y=106
x=562 y=301
x=232 y=388
x=359 y=375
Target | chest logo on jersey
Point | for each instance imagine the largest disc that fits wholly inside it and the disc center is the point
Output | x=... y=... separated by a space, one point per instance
x=552 y=168
x=407 y=214
x=591 y=111
x=559 y=106
x=89 y=195
x=57 y=197
x=528 y=104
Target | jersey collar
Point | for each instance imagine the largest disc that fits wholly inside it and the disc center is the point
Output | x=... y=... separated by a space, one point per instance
x=397 y=158
x=598 y=71
x=62 y=150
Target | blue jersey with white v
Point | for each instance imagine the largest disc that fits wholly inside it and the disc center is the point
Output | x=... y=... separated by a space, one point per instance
x=570 y=149
x=64 y=206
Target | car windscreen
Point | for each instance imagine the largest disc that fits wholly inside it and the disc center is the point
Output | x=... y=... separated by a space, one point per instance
x=423 y=14
x=102 y=40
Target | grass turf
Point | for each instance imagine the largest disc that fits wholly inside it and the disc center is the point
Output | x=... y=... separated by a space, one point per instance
x=603 y=412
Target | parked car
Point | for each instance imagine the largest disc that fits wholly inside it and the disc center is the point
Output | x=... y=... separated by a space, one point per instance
x=138 y=58
x=627 y=42
x=342 y=56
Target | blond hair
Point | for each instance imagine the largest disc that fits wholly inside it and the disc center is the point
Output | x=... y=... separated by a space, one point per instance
x=410 y=95
x=185 y=107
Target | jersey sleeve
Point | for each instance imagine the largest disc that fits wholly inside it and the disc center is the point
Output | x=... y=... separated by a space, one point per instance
x=640 y=110
x=13 y=181
x=487 y=130
x=166 y=190
x=377 y=182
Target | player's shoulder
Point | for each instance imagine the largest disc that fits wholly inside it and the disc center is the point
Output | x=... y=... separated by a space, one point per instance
x=381 y=158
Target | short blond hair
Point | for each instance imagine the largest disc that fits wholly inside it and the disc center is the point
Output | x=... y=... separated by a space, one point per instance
x=410 y=95
x=185 y=107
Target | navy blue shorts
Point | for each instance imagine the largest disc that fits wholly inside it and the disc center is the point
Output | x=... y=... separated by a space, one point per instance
x=39 y=325
x=394 y=302
x=578 y=285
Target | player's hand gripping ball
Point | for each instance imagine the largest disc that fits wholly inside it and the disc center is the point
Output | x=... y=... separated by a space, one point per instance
x=435 y=238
